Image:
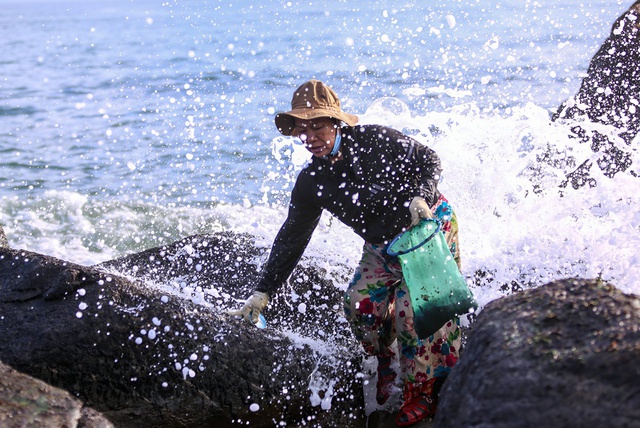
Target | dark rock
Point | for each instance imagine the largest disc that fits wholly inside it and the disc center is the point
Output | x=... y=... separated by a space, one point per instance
x=562 y=355
x=141 y=355
x=609 y=95
x=224 y=269
x=28 y=402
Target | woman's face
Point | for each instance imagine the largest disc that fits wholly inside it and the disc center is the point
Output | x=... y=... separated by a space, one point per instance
x=317 y=135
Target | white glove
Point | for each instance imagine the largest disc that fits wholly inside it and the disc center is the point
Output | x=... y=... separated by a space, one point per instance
x=419 y=209
x=252 y=307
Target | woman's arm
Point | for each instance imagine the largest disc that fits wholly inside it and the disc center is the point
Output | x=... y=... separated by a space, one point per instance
x=291 y=241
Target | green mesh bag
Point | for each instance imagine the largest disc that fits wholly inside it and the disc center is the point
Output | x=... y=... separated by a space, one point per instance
x=437 y=289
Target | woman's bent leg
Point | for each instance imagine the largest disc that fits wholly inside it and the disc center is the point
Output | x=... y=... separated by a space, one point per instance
x=369 y=302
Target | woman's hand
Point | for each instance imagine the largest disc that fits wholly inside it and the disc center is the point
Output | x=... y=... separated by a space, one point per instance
x=419 y=209
x=252 y=307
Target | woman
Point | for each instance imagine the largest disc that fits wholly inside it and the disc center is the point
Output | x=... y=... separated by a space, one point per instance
x=379 y=182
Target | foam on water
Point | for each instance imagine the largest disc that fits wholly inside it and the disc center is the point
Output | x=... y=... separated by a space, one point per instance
x=492 y=175
x=516 y=221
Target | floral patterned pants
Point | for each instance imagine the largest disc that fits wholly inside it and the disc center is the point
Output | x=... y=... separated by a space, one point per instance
x=378 y=307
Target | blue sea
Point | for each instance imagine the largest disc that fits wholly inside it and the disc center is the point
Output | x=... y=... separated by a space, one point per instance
x=129 y=124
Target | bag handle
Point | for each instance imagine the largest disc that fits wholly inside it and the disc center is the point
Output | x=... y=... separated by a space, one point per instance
x=403 y=252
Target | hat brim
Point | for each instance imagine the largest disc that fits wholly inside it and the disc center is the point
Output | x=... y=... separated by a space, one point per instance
x=286 y=121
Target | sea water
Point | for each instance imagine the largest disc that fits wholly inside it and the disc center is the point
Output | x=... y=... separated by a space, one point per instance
x=130 y=124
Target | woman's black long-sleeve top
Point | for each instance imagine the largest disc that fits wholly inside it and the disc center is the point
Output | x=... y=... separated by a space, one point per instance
x=369 y=190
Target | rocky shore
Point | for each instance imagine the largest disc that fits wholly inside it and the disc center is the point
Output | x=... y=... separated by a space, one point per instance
x=120 y=351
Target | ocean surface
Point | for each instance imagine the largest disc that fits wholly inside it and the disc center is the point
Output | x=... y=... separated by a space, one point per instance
x=126 y=125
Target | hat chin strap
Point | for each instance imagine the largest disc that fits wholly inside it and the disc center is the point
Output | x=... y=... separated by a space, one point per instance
x=336 y=145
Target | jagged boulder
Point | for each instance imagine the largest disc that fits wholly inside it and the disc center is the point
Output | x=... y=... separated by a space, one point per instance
x=141 y=354
x=562 y=355
x=608 y=95
x=29 y=402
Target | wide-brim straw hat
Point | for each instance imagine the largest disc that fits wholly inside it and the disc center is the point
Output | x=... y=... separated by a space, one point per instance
x=312 y=100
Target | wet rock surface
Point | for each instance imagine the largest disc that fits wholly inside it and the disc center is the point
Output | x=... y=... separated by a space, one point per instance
x=139 y=355
x=609 y=95
x=562 y=355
